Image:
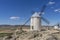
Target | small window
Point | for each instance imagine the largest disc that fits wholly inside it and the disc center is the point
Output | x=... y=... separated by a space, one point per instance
x=32 y=27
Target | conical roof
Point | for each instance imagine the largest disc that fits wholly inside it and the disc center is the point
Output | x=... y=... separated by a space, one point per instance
x=36 y=14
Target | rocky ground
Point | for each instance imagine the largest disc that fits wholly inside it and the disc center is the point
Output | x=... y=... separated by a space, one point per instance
x=34 y=35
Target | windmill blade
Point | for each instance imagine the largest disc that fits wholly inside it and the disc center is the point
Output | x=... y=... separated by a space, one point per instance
x=45 y=20
x=25 y=23
x=43 y=8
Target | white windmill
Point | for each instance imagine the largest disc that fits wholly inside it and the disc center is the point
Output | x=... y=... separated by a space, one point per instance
x=36 y=18
x=35 y=21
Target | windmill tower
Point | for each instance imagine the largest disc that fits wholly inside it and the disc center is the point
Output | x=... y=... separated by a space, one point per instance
x=35 y=21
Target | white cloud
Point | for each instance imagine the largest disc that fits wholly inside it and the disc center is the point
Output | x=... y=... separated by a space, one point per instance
x=57 y=10
x=14 y=17
x=51 y=3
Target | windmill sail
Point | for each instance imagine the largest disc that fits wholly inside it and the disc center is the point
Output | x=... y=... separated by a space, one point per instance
x=43 y=8
x=45 y=20
x=25 y=23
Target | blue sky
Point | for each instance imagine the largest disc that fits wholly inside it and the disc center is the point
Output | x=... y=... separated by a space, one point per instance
x=18 y=11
